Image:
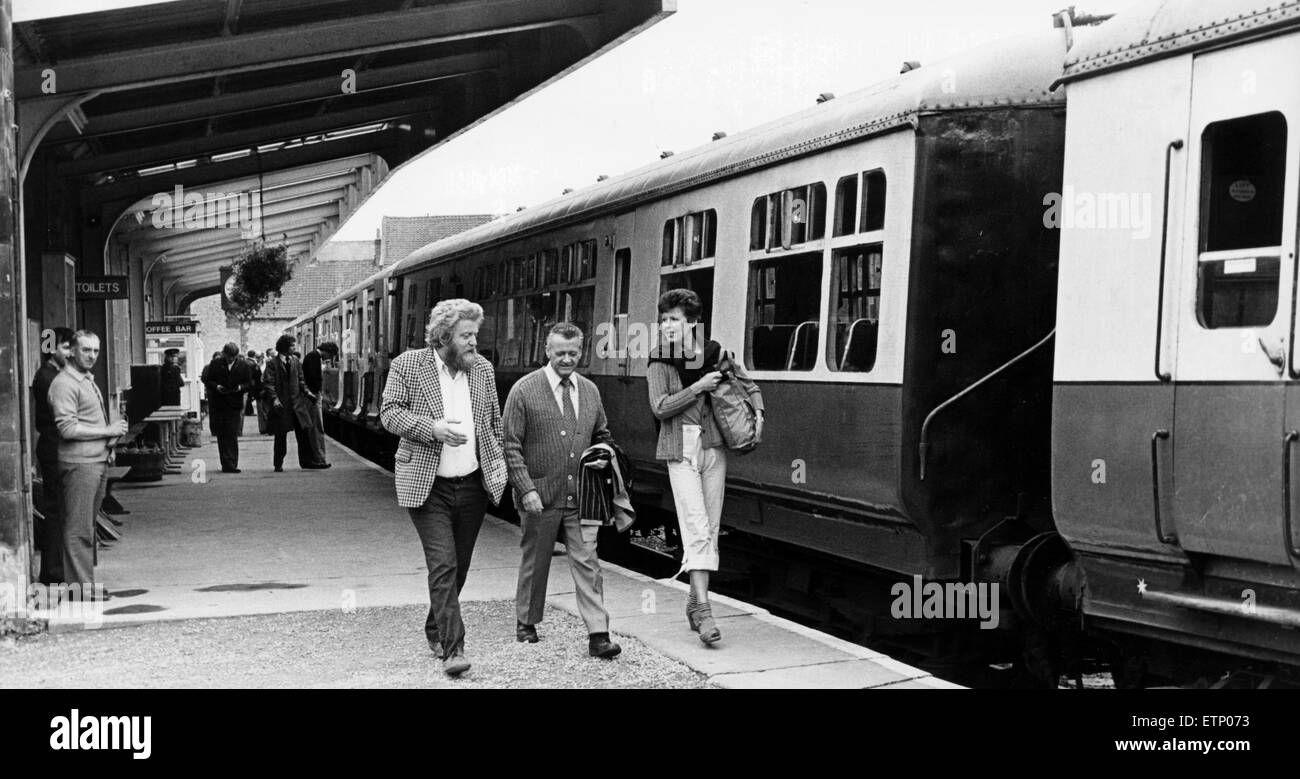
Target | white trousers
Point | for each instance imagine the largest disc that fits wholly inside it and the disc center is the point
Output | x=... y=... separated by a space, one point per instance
x=699 y=482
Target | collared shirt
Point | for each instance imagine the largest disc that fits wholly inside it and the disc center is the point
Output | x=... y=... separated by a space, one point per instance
x=457 y=404
x=558 y=391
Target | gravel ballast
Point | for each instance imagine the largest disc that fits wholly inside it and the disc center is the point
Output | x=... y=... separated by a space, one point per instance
x=371 y=647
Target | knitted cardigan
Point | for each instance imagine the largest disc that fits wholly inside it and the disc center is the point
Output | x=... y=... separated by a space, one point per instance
x=668 y=400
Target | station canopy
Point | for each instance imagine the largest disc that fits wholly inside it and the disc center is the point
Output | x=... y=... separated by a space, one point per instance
x=306 y=103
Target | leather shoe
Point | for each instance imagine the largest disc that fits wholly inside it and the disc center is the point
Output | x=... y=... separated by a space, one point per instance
x=600 y=646
x=455 y=663
x=279 y=469
x=230 y=470
x=525 y=633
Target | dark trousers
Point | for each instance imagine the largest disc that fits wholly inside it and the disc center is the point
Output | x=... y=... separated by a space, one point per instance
x=226 y=424
x=281 y=446
x=52 y=542
x=316 y=433
x=83 y=490
x=448 y=525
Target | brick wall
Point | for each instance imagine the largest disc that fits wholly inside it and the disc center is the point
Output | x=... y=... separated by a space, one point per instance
x=217 y=330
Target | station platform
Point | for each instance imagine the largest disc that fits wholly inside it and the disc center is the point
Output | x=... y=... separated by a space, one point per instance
x=319 y=565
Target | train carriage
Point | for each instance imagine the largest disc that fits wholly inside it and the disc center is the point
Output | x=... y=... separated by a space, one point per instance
x=837 y=254
x=1176 y=395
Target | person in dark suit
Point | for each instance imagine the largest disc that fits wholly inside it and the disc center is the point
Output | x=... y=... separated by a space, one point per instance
x=172 y=378
x=442 y=402
x=285 y=389
x=227 y=379
x=312 y=374
x=551 y=416
x=255 y=366
x=58 y=352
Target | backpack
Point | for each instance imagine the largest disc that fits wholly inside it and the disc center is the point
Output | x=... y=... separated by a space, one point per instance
x=733 y=410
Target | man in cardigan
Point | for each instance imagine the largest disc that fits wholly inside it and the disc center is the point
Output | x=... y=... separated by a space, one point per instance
x=551 y=416
x=86 y=439
x=442 y=402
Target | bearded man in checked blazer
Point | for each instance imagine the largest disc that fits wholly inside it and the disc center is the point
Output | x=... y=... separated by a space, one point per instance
x=442 y=402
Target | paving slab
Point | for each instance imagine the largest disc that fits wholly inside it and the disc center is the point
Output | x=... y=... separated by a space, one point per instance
x=841 y=674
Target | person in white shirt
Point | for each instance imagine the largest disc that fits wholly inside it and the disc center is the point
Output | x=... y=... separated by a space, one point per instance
x=442 y=402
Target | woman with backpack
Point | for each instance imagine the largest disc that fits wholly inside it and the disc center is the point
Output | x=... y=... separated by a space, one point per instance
x=682 y=372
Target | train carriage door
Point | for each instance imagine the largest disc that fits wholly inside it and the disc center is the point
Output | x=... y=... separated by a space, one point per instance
x=1234 y=323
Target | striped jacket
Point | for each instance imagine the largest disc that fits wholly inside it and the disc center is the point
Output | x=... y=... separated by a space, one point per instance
x=540 y=454
x=413 y=402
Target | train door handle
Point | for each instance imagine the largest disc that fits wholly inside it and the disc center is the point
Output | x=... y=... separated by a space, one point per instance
x=1288 y=538
x=1276 y=354
x=1156 y=438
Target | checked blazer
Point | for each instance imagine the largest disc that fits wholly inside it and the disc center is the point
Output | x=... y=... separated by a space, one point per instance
x=413 y=402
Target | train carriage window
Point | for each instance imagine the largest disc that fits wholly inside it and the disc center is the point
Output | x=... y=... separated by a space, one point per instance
x=785 y=306
x=789 y=217
x=551 y=268
x=530 y=272
x=412 y=291
x=1243 y=176
x=690 y=238
x=622 y=290
x=855 y=308
x=701 y=282
x=758 y=225
x=873 y=200
x=567 y=263
x=487 y=333
x=846 y=205
x=587 y=260
x=514 y=317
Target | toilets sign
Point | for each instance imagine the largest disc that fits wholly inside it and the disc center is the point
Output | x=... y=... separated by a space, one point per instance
x=102 y=288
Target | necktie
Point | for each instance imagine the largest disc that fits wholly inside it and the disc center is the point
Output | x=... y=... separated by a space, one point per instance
x=569 y=414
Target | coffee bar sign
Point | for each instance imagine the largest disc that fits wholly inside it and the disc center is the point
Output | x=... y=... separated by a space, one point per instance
x=172 y=327
x=102 y=288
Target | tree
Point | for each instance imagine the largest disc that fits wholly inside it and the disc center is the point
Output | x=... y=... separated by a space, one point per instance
x=257 y=276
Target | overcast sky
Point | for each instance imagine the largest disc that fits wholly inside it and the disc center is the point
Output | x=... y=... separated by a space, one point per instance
x=713 y=65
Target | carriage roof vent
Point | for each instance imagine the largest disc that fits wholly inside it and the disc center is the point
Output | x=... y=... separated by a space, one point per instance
x=719 y=135
x=665 y=154
x=823 y=97
x=567 y=190
x=601 y=177
x=910 y=65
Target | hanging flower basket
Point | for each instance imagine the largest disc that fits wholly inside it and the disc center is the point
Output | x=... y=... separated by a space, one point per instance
x=258 y=275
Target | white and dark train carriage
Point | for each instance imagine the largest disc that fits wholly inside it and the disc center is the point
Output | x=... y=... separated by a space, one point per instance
x=1176 y=394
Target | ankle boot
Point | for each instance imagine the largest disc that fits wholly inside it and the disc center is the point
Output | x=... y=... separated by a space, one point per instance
x=701 y=617
x=691 y=605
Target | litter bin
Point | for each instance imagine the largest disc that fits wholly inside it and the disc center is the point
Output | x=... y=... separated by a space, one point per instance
x=191 y=431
